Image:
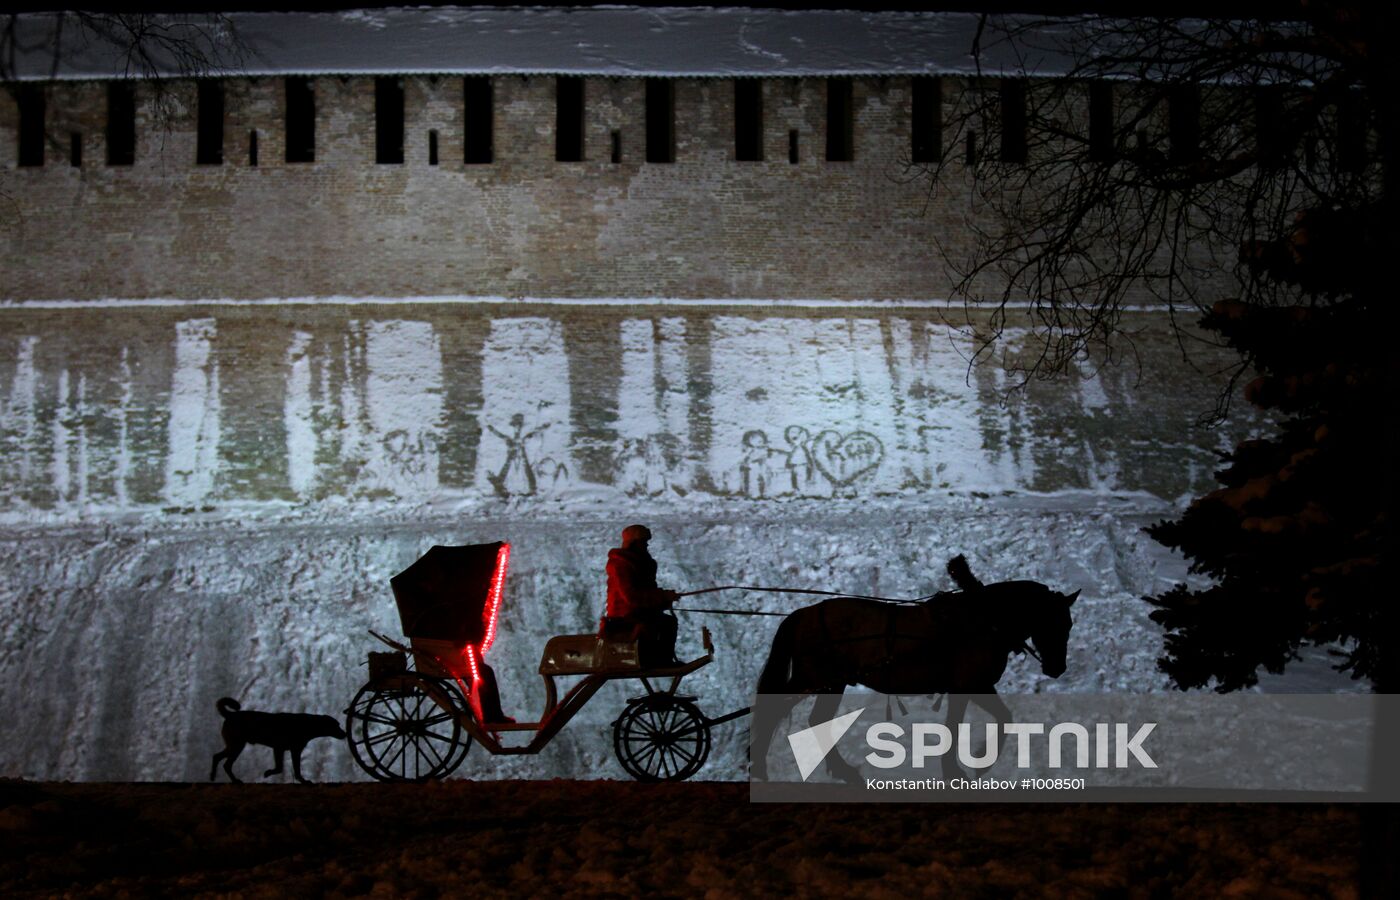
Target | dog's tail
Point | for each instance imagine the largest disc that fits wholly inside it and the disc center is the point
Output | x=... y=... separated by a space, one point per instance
x=227 y=705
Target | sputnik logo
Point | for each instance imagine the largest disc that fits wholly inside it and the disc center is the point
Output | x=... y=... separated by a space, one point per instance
x=811 y=745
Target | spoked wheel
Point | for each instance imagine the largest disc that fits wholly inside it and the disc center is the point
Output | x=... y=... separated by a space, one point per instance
x=463 y=712
x=406 y=728
x=661 y=738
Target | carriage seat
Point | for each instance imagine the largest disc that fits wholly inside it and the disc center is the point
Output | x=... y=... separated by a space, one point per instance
x=585 y=654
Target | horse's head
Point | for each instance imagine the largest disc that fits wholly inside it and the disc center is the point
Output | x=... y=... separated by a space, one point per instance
x=1050 y=632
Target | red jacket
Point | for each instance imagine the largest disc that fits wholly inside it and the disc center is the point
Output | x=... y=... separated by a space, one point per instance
x=632 y=583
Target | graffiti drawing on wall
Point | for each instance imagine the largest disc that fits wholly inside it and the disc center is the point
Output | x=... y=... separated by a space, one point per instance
x=517 y=476
x=412 y=458
x=800 y=407
x=647 y=467
x=802 y=469
x=363 y=410
x=842 y=461
x=758 y=471
x=403 y=378
x=375 y=408
x=551 y=474
x=653 y=408
x=526 y=432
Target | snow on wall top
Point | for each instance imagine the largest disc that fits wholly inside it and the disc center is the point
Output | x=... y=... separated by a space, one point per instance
x=607 y=41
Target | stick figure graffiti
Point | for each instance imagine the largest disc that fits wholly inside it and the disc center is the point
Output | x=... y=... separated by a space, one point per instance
x=409 y=463
x=552 y=474
x=517 y=475
x=799 y=461
x=650 y=466
x=842 y=460
x=757 y=474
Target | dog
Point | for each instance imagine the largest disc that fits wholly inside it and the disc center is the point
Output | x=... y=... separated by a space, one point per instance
x=282 y=732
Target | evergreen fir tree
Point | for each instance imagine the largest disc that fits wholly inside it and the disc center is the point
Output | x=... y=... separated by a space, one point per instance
x=1298 y=537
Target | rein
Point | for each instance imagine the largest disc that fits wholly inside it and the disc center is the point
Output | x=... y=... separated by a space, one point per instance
x=727 y=612
x=1025 y=646
x=776 y=590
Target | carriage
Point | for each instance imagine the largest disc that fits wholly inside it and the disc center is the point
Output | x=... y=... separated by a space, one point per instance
x=427 y=701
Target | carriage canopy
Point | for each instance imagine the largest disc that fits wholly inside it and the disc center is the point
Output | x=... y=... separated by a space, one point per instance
x=453 y=594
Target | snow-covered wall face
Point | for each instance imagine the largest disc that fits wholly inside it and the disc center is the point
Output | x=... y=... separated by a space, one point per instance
x=116 y=644
x=208 y=408
x=209 y=501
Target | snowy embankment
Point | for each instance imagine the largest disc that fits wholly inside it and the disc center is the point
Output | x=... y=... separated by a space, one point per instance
x=119 y=638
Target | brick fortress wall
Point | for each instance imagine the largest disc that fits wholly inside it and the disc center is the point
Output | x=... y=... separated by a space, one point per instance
x=705 y=226
x=115 y=408
x=206 y=499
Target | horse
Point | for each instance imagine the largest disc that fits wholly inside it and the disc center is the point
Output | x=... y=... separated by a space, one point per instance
x=954 y=643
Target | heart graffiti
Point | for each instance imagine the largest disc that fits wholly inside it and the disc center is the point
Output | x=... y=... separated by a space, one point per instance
x=844 y=459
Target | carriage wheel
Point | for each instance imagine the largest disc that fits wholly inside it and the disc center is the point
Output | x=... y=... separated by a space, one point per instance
x=463 y=711
x=661 y=738
x=398 y=731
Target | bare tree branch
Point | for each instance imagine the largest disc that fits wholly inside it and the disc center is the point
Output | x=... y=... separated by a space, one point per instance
x=1171 y=210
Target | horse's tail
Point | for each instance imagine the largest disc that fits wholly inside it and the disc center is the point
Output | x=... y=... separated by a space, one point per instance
x=777 y=672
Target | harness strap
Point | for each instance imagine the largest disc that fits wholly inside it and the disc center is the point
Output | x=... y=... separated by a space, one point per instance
x=890 y=635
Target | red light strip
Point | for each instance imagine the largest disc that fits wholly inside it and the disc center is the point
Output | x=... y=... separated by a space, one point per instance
x=493 y=601
x=470 y=653
x=469 y=691
x=493 y=606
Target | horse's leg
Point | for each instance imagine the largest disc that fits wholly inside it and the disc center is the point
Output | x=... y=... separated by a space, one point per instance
x=993 y=704
x=957 y=707
x=768 y=713
x=783 y=686
x=824 y=710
